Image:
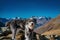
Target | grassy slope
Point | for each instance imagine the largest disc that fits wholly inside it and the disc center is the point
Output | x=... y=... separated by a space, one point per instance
x=54 y=24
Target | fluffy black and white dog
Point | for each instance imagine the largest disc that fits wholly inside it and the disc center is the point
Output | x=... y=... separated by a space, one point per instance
x=26 y=25
x=29 y=27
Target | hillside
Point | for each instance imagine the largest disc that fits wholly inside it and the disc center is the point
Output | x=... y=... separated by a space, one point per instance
x=53 y=24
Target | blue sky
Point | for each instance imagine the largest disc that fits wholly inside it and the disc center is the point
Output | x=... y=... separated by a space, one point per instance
x=28 y=8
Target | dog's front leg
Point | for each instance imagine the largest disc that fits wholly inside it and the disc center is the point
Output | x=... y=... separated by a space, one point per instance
x=26 y=34
x=13 y=33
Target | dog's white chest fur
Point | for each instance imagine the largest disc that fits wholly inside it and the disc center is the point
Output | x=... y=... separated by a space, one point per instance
x=26 y=32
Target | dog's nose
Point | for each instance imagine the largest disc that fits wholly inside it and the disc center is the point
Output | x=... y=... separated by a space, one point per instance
x=32 y=24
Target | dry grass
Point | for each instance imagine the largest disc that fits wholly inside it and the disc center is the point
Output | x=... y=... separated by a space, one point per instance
x=52 y=32
x=8 y=37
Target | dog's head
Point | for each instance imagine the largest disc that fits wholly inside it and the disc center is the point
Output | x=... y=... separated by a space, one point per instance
x=31 y=23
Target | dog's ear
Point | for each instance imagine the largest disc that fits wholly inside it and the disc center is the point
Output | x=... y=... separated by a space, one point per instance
x=33 y=19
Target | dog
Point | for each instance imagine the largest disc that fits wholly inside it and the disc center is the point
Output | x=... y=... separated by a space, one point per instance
x=29 y=27
x=14 y=25
x=26 y=24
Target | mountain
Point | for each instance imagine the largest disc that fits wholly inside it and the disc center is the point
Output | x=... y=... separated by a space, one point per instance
x=53 y=24
x=1 y=24
x=42 y=20
x=3 y=20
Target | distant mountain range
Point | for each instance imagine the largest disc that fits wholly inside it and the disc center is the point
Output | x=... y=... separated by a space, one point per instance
x=2 y=22
x=40 y=20
x=53 y=26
